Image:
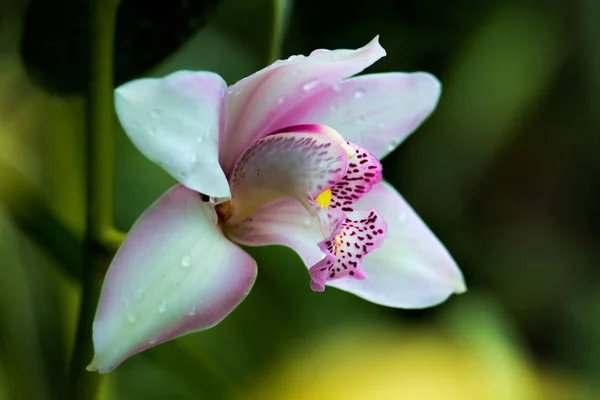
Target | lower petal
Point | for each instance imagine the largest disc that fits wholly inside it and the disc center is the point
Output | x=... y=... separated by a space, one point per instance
x=285 y=223
x=412 y=269
x=175 y=274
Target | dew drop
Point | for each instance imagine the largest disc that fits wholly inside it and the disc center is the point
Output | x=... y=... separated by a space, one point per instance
x=307 y=221
x=155 y=113
x=152 y=130
x=186 y=261
x=163 y=306
x=402 y=218
x=310 y=85
x=333 y=107
x=192 y=311
x=194 y=158
x=213 y=200
x=139 y=295
x=132 y=317
x=152 y=341
x=381 y=125
x=360 y=92
x=320 y=51
x=393 y=145
x=337 y=87
x=281 y=100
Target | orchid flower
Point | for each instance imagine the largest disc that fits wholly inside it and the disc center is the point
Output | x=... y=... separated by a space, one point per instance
x=288 y=156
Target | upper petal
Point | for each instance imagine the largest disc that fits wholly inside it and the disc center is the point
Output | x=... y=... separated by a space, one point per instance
x=175 y=122
x=175 y=274
x=412 y=269
x=255 y=104
x=376 y=111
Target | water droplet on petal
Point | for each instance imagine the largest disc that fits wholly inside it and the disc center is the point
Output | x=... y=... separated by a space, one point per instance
x=152 y=130
x=163 y=306
x=320 y=51
x=393 y=145
x=186 y=261
x=139 y=295
x=360 y=92
x=194 y=158
x=310 y=85
x=337 y=87
x=192 y=311
x=131 y=316
x=360 y=119
x=155 y=113
x=213 y=200
x=281 y=100
x=307 y=221
x=152 y=341
x=333 y=107
x=402 y=218
x=381 y=125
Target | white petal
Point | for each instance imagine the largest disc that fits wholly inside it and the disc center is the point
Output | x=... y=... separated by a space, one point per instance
x=260 y=103
x=286 y=223
x=412 y=269
x=376 y=111
x=175 y=274
x=175 y=121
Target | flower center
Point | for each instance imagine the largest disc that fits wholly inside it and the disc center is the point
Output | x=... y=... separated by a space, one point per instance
x=224 y=211
x=324 y=199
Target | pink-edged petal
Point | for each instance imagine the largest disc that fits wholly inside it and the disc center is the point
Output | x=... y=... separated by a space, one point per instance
x=175 y=274
x=375 y=111
x=175 y=121
x=285 y=165
x=361 y=233
x=412 y=269
x=285 y=222
x=255 y=104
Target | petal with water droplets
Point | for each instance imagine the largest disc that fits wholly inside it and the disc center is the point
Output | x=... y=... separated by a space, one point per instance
x=175 y=274
x=376 y=111
x=258 y=104
x=175 y=121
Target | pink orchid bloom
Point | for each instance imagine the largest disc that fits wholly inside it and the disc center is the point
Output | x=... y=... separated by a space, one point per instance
x=263 y=162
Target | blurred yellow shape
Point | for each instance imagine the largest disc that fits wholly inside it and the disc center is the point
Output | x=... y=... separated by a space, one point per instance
x=384 y=366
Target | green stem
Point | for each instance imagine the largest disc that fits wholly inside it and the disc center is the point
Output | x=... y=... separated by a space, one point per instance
x=29 y=210
x=280 y=10
x=99 y=187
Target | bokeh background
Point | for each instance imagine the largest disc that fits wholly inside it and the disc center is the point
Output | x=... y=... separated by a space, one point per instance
x=505 y=172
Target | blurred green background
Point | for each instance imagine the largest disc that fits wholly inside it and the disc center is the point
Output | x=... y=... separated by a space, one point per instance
x=505 y=172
